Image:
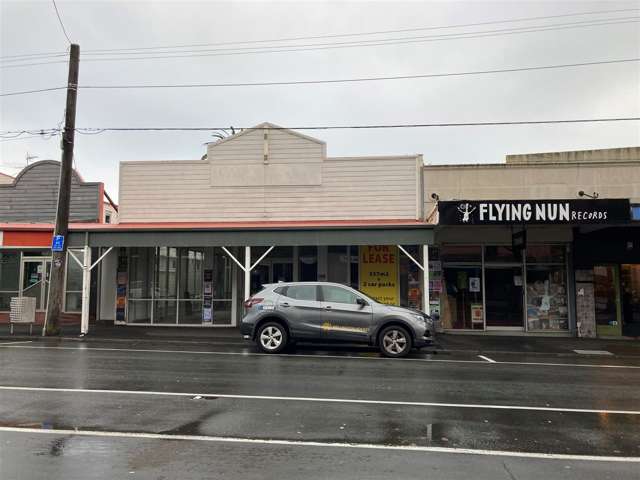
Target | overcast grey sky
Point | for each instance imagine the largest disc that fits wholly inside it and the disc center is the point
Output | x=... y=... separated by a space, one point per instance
x=584 y=92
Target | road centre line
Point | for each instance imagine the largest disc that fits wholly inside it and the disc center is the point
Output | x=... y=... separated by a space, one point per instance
x=295 y=355
x=487 y=359
x=303 y=443
x=13 y=343
x=320 y=400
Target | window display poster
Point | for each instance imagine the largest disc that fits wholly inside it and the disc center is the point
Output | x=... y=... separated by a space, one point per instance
x=121 y=296
x=378 y=273
x=474 y=284
x=207 y=298
x=435 y=285
x=462 y=280
x=477 y=315
x=434 y=308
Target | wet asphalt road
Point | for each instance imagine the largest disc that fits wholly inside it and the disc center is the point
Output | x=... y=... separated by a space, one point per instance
x=132 y=410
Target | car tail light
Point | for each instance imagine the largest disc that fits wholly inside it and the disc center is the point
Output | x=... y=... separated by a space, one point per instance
x=253 y=301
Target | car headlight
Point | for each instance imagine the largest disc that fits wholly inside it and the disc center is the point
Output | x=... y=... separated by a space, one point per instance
x=419 y=318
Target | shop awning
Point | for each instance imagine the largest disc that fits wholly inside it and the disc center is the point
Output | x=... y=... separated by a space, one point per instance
x=283 y=233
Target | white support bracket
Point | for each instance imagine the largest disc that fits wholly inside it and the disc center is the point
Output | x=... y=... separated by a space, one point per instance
x=100 y=259
x=75 y=258
x=247 y=267
x=411 y=258
x=86 y=267
x=425 y=275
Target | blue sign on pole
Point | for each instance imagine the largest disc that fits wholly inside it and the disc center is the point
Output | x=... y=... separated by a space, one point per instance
x=57 y=244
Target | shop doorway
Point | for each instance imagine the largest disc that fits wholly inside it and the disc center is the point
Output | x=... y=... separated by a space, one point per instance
x=504 y=297
x=630 y=282
x=606 y=292
x=35 y=280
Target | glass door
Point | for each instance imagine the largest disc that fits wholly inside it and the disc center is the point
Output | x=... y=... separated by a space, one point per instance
x=607 y=300
x=35 y=281
x=504 y=297
x=630 y=276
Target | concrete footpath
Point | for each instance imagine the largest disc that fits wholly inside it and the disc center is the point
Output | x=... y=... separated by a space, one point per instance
x=473 y=344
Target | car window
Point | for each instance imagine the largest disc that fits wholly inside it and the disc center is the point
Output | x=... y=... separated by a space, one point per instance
x=338 y=295
x=301 y=292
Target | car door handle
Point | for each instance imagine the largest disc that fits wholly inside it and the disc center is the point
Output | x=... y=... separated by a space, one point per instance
x=285 y=304
x=328 y=307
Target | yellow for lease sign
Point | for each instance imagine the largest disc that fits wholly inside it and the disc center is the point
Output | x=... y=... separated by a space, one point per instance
x=378 y=273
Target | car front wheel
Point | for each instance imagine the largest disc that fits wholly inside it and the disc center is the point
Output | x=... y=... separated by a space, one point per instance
x=395 y=342
x=272 y=337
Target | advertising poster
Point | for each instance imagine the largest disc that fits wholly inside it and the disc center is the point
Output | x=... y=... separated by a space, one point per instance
x=379 y=266
x=477 y=315
x=121 y=296
x=207 y=301
x=474 y=284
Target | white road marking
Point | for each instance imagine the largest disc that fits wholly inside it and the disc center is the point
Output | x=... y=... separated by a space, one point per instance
x=593 y=352
x=296 y=355
x=321 y=400
x=303 y=443
x=13 y=343
x=487 y=359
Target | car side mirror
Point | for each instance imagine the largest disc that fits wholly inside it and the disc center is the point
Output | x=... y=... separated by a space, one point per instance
x=361 y=302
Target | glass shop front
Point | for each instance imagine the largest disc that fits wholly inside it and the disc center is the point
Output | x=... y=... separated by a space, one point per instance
x=494 y=287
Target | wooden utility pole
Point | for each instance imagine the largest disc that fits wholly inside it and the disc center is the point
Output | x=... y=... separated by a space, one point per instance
x=58 y=263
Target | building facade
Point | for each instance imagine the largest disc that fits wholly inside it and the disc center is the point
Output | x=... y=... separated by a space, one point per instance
x=27 y=214
x=543 y=244
x=569 y=266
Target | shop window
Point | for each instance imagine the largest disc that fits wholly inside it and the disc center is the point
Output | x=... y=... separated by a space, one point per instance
x=308 y=264
x=164 y=311
x=410 y=278
x=141 y=262
x=222 y=312
x=461 y=253
x=630 y=276
x=191 y=268
x=165 y=280
x=501 y=254
x=139 y=311
x=353 y=265
x=461 y=304
x=9 y=277
x=547 y=307
x=338 y=264
x=546 y=254
x=73 y=289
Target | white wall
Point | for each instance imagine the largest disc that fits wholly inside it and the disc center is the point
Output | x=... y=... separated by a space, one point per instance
x=283 y=177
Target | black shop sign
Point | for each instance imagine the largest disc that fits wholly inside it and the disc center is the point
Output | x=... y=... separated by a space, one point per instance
x=533 y=212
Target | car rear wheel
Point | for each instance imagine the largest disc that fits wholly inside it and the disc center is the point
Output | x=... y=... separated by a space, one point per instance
x=395 y=341
x=272 y=337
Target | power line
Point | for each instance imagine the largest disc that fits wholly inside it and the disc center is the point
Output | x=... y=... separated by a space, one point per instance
x=89 y=130
x=315 y=47
x=60 y=20
x=362 y=79
x=25 y=92
x=400 y=40
x=342 y=35
x=379 y=32
x=331 y=81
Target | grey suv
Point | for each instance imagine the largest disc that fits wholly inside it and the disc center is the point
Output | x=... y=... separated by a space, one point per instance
x=328 y=312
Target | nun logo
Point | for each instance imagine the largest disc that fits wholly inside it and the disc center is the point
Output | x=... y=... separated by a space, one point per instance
x=466 y=210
